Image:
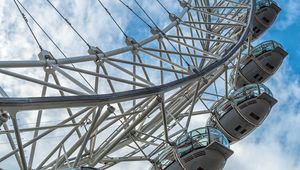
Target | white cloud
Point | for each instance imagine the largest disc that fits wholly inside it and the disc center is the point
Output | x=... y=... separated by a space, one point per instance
x=274 y=145
x=96 y=26
x=291 y=12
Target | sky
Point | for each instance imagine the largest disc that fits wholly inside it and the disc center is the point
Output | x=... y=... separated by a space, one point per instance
x=274 y=145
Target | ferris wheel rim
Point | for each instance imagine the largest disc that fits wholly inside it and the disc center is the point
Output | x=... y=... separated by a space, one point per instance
x=151 y=91
x=23 y=102
x=109 y=55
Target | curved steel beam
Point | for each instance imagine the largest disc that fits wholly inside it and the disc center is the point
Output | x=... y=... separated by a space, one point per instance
x=34 y=103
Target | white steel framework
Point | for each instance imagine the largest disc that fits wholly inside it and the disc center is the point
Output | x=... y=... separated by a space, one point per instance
x=138 y=98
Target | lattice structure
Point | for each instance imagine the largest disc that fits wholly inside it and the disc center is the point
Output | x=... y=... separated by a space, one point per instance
x=140 y=102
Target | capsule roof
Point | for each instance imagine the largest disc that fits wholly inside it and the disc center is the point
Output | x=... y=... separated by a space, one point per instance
x=242 y=94
x=251 y=89
x=262 y=48
x=200 y=138
x=264 y=3
x=265 y=47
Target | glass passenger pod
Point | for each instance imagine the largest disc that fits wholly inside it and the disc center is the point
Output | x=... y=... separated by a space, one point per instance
x=264 y=61
x=266 y=13
x=245 y=110
x=204 y=148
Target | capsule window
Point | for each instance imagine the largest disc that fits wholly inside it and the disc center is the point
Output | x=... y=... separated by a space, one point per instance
x=243 y=131
x=238 y=128
x=200 y=168
x=200 y=153
x=254 y=116
x=266 y=19
x=256 y=75
x=270 y=66
x=252 y=102
x=188 y=159
x=243 y=106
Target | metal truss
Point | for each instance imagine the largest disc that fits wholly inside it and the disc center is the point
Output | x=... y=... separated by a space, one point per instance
x=142 y=97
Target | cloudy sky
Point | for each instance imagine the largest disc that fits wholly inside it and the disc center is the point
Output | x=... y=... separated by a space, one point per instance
x=273 y=146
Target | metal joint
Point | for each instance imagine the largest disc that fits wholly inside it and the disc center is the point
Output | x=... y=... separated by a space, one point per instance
x=184 y=4
x=132 y=42
x=193 y=69
x=97 y=52
x=174 y=17
x=157 y=31
x=46 y=56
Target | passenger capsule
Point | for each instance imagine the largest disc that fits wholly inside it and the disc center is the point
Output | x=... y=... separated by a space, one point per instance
x=262 y=63
x=3 y=118
x=201 y=149
x=266 y=14
x=244 y=111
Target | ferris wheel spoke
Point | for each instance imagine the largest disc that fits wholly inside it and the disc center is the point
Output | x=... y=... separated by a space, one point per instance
x=173 y=65
x=198 y=34
x=104 y=76
x=196 y=60
x=41 y=135
x=136 y=150
x=38 y=120
x=12 y=144
x=19 y=142
x=239 y=3
x=97 y=81
x=192 y=106
x=70 y=113
x=114 y=142
x=147 y=65
x=66 y=137
x=95 y=123
x=179 y=33
x=74 y=80
x=195 y=48
x=197 y=39
x=173 y=52
x=128 y=72
x=33 y=129
x=122 y=126
x=168 y=57
x=184 y=100
x=111 y=86
x=33 y=80
x=212 y=23
x=195 y=113
x=172 y=110
x=182 y=131
x=226 y=39
x=143 y=67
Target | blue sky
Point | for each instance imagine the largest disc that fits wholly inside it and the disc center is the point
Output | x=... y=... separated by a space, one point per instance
x=273 y=146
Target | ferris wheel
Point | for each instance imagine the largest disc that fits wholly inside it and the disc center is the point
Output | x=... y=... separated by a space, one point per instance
x=182 y=84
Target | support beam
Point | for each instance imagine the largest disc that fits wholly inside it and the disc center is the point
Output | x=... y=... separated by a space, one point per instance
x=126 y=132
x=19 y=140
